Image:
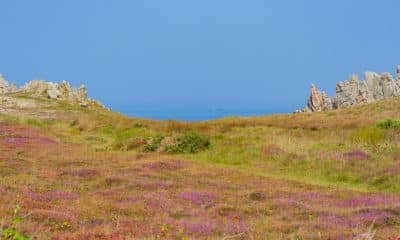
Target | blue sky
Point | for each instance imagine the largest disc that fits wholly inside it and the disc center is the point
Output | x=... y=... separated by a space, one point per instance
x=208 y=53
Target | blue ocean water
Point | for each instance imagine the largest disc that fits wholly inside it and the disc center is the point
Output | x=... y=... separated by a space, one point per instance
x=193 y=114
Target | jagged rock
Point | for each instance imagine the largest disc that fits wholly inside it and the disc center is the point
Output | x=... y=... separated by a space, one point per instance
x=42 y=89
x=62 y=91
x=374 y=88
x=39 y=88
x=318 y=101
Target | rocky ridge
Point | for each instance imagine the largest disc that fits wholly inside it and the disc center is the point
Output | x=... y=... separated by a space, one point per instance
x=42 y=89
x=374 y=87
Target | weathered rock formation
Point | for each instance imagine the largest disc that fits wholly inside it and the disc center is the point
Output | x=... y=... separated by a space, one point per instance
x=61 y=91
x=42 y=89
x=374 y=87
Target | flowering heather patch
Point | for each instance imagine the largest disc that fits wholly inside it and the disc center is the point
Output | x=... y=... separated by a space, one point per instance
x=18 y=141
x=272 y=150
x=208 y=227
x=356 y=155
x=239 y=227
x=61 y=195
x=2 y=190
x=316 y=197
x=376 y=216
x=83 y=173
x=156 y=185
x=329 y=155
x=51 y=195
x=32 y=195
x=109 y=193
x=96 y=234
x=155 y=201
x=290 y=203
x=198 y=228
x=198 y=198
x=52 y=215
x=393 y=170
x=329 y=219
x=14 y=141
x=167 y=164
x=42 y=140
x=370 y=201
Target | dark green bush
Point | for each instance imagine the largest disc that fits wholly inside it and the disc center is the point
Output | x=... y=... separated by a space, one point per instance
x=189 y=142
x=154 y=143
x=389 y=124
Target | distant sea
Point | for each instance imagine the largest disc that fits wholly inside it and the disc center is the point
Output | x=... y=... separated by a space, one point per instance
x=193 y=114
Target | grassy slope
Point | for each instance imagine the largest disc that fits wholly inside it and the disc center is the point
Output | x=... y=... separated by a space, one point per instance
x=65 y=169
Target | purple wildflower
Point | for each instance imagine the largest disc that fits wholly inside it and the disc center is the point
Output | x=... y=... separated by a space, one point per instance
x=83 y=173
x=32 y=195
x=169 y=164
x=236 y=228
x=370 y=201
x=200 y=228
x=15 y=141
x=333 y=219
x=43 y=140
x=51 y=215
x=376 y=216
x=198 y=198
x=2 y=190
x=356 y=155
x=61 y=195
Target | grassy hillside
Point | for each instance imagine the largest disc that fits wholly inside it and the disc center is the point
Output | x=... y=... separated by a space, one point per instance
x=88 y=173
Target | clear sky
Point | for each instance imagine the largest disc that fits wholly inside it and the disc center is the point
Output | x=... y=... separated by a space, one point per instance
x=208 y=53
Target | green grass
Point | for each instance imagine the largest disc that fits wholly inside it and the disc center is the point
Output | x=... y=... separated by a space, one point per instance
x=389 y=124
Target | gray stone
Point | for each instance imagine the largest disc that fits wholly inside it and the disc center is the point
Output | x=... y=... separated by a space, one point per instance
x=374 y=87
x=53 y=93
x=43 y=89
x=59 y=91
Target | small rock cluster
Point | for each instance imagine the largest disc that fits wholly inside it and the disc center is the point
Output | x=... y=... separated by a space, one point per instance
x=374 y=87
x=40 y=88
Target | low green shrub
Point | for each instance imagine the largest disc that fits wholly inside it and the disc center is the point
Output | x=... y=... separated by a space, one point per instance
x=368 y=135
x=12 y=234
x=389 y=124
x=154 y=143
x=189 y=142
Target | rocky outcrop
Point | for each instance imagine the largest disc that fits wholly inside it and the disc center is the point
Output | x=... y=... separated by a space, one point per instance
x=61 y=91
x=42 y=89
x=318 y=101
x=374 y=87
